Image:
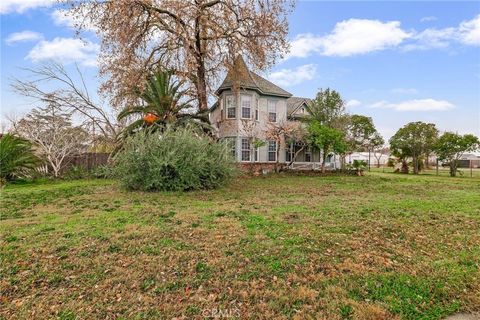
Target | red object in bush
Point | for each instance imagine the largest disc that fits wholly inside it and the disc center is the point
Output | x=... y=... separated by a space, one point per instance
x=150 y=118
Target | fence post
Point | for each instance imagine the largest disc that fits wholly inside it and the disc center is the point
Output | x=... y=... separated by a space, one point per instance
x=437 y=166
x=471 y=168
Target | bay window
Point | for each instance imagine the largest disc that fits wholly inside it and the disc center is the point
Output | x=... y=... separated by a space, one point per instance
x=246 y=102
x=272 y=111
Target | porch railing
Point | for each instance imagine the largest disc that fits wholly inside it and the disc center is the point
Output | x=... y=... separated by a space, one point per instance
x=312 y=166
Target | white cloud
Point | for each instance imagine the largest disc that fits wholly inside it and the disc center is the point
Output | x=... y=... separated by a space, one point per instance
x=359 y=36
x=432 y=38
x=20 y=6
x=66 y=50
x=429 y=18
x=415 y=105
x=305 y=44
x=23 y=36
x=353 y=103
x=470 y=31
x=362 y=36
x=467 y=33
x=350 y=37
x=404 y=91
x=62 y=17
x=291 y=77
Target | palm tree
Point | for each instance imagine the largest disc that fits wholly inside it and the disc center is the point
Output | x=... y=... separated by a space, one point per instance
x=164 y=103
x=16 y=157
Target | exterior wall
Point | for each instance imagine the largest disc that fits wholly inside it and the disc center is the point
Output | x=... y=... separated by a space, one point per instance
x=239 y=127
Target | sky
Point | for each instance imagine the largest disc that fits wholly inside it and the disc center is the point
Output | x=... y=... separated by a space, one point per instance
x=395 y=61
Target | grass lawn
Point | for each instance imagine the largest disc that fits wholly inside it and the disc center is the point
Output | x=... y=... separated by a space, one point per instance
x=382 y=246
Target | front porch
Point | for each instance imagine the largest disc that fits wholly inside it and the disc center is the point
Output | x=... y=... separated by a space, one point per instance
x=309 y=166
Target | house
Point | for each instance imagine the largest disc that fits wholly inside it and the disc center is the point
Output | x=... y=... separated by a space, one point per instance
x=247 y=105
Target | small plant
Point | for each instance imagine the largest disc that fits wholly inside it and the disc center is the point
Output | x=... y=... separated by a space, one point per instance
x=102 y=172
x=17 y=159
x=357 y=167
x=76 y=173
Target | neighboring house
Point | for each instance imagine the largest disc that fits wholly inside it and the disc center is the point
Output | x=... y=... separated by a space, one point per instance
x=247 y=105
x=382 y=159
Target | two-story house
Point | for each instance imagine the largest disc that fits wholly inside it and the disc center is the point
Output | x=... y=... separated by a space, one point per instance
x=247 y=105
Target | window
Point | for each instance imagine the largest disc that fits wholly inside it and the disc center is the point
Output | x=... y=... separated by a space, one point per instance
x=272 y=111
x=308 y=155
x=288 y=154
x=256 y=110
x=246 y=106
x=245 y=149
x=272 y=151
x=231 y=110
x=231 y=143
x=257 y=154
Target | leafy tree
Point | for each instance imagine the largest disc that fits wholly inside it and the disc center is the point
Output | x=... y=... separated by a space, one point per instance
x=16 y=157
x=451 y=146
x=361 y=134
x=326 y=139
x=164 y=103
x=198 y=38
x=327 y=108
x=413 y=140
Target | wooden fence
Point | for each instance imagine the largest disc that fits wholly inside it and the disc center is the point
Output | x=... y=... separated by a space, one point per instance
x=88 y=160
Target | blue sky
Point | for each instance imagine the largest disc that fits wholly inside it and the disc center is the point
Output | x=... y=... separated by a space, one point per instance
x=394 y=61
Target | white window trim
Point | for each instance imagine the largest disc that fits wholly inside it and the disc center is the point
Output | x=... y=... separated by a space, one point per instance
x=242 y=150
x=268 y=151
x=242 y=107
x=268 y=110
x=234 y=139
x=227 y=107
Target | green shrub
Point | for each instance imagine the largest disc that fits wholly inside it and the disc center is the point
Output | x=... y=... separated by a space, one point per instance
x=17 y=159
x=181 y=159
x=76 y=173
x=103 y=171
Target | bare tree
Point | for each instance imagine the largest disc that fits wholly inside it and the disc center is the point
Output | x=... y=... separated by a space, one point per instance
x=70 y=93
x=296 y=136
x=278 y=132
x=199 y=39
x=51 y=130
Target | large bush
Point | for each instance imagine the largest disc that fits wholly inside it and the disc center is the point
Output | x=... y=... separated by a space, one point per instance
x=180 y=159
x=17 y=159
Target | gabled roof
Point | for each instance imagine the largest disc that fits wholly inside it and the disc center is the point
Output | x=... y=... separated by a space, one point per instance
x=241 y=77
x=293 y=103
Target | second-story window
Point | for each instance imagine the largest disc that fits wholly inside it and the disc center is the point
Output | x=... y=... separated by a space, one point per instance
x=246 y=102
x=256 y=110
x=272 y=111
x=230 y=106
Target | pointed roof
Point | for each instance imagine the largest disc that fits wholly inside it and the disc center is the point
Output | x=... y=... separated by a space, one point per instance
x=293 y=103
x=240 y=76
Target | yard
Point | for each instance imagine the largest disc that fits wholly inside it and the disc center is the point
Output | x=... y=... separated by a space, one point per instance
x=383 y=246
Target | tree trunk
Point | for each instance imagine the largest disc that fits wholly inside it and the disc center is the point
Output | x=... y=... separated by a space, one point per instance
x=404 y=166
x=201 y=82
x=415 y=164
x=453 y=168
x=277 y=162
x=201 y=88
x=324 y=158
